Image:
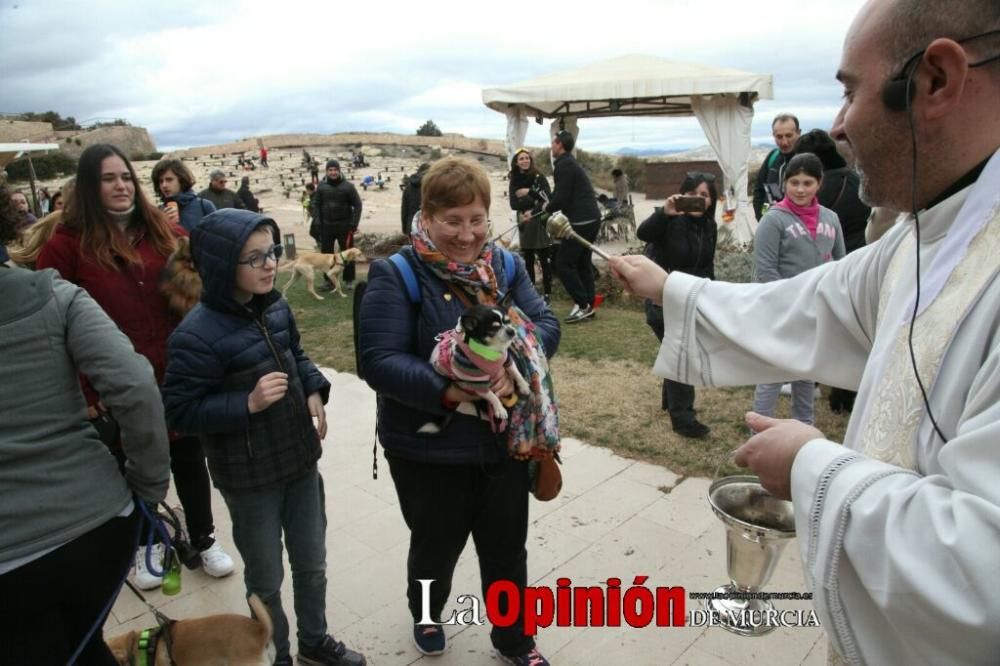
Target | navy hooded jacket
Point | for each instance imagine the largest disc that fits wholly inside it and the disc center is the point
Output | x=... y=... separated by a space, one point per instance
x=220 y=350
x=396 y=340
x=191 y=208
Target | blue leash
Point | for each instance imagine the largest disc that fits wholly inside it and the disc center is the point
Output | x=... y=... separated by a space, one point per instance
x=153 y=524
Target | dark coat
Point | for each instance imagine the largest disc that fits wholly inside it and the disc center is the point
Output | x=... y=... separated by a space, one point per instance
x=246 y=196
x=572 y=193
x=769 y=186
x=531 y=234
x=681 y=242
x=396 y=340
x=218 y=353
x=840 y=192
x=336 y=204
x=224 y=199
x=411 y=202
x=191 y=208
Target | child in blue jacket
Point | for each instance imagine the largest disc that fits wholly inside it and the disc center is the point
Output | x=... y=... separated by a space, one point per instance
x=237 y=377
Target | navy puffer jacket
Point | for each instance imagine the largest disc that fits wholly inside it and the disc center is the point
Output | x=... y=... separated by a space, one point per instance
x=396 y=339
x=220 y=350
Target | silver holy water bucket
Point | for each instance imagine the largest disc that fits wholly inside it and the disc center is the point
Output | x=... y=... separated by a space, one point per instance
x=758 y=527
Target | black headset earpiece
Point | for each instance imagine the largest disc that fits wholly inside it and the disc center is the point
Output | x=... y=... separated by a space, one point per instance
x=898 y=93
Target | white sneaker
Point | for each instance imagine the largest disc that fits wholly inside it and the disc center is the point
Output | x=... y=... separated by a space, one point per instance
x=573 y=314
x=216 y=562
x=144 y=578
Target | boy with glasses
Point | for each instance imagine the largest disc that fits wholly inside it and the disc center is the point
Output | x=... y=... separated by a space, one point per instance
x=237 y=376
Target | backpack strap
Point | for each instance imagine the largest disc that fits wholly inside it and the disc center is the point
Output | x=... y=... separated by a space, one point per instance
x=410 y=279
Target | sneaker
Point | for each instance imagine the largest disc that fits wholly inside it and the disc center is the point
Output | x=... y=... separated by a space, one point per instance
x=330 y=653
x=429 y=639
x=573 y=314
x=216 y=562
x=548 y=299
x=581 y=314
x=696 y=430
x=786 y=389
x=144 y=578
x=531 y=658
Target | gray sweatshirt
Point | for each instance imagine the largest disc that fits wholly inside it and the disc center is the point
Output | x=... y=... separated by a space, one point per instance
x=57 y=480
x=783 y=247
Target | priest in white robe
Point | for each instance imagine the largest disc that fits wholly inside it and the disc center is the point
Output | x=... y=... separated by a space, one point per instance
x=900 y=526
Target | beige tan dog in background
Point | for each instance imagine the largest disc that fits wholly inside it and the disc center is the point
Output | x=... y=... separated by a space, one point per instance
x=332 y=265
x=235 y=640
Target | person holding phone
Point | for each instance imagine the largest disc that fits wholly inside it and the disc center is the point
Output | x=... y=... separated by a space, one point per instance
x=681 y=236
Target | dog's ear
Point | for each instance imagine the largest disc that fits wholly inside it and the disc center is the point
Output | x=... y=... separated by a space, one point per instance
x=469 y=321
x=506 y=300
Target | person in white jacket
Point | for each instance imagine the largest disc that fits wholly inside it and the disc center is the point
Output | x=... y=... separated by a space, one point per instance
x=899 y=528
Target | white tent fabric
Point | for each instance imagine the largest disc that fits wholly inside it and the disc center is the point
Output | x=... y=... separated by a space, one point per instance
x=727 y=127
x=639 y=85
x=517 y=130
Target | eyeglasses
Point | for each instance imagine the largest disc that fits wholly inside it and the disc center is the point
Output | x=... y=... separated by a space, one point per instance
x=704 y=175
x=454 y=223
x=258 y=260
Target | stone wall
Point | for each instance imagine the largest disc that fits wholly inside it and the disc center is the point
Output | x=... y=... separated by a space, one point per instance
x=14 y=131
x=273 y=141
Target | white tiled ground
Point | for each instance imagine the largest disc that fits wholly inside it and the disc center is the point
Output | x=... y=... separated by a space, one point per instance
x=612 y=519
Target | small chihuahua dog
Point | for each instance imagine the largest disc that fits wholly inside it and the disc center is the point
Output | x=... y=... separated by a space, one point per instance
x=474 y=354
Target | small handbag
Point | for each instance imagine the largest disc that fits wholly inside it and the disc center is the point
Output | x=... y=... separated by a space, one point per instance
x=548 y=479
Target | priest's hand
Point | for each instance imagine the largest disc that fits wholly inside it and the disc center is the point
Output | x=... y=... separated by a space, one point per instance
x=770 y=453
x=640 y=276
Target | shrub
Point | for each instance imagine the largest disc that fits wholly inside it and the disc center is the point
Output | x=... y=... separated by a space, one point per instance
x=428 y=129
x=435 y=153
x=47 y=167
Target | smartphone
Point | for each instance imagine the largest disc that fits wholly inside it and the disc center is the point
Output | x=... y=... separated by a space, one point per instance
x=690 y=204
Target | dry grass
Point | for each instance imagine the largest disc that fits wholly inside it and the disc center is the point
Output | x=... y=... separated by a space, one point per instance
x=607 y=393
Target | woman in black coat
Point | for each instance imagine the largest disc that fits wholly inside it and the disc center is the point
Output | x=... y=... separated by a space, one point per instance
x=528 y=192
x=682 y=241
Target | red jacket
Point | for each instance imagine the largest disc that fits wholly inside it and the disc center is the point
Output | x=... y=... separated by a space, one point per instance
x=131 y=296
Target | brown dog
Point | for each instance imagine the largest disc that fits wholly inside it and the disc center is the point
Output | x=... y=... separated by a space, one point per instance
x=332 y=265
x=235 y=640
x=180 y=283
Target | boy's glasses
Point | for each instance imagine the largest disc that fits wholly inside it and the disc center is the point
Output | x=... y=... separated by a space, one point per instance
x=258 y=260
x=707 y=177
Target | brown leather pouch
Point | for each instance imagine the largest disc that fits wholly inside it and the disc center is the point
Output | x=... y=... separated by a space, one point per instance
x=548 y=479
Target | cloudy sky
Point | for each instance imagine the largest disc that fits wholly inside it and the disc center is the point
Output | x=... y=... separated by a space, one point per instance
x=196 y=72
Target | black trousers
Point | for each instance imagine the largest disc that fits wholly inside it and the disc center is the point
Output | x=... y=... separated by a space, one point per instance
x=194 y=490
x=544 y=256
x=344 y=239
x=442 y=505
x=574 y=267
x=675 y=398
x=49 y=604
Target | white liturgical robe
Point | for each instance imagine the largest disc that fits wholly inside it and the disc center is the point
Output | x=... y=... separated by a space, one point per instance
x=899 y=530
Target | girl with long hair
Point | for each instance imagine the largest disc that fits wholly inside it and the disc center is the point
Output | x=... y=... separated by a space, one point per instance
x=528 y=192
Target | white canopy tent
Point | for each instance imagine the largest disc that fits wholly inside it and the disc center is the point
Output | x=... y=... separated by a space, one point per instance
x=637 y=85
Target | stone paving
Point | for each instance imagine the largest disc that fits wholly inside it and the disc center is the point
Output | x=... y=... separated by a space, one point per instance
x=614 y=518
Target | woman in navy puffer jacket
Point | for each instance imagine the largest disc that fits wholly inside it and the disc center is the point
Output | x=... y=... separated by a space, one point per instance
x=461 y=480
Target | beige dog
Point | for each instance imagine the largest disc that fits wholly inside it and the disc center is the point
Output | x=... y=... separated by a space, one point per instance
x=332 y=265
x=235 y=640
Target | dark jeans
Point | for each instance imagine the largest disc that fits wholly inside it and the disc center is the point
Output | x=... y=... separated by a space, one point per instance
x=49 y=604
x=544 y=255
x=344 y=238
x=574 y=267
x=442 y=505
x=296 y=508
x=675 y=398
